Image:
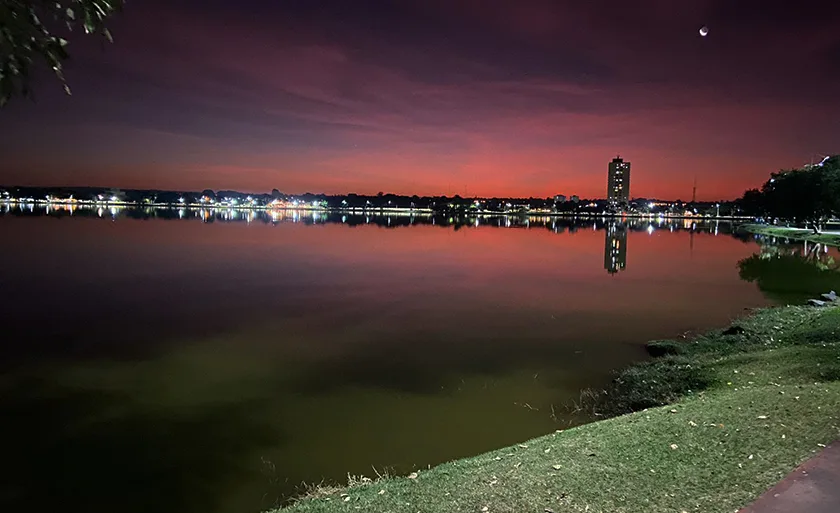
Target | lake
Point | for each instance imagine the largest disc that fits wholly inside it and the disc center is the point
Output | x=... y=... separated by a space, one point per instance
x=207 y=362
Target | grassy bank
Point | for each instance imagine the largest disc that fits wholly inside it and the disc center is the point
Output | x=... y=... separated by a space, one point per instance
x=792 y=233
x=745 y=408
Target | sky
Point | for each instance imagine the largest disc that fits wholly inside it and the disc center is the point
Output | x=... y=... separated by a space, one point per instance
x=470 y=97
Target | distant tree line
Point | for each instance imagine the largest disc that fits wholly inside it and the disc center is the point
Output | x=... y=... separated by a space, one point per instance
x=809 y=196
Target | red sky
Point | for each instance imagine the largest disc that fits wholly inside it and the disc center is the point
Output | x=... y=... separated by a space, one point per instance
x=490 y=97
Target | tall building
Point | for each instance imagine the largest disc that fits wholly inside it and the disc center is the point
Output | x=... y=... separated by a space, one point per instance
x=618 y=181
x=615 y=247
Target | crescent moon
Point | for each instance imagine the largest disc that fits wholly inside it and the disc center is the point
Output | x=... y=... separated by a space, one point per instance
x=704 y=31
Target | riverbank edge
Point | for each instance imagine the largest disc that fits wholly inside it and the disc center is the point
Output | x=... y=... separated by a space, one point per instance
x=740 y=408
x=798 y=234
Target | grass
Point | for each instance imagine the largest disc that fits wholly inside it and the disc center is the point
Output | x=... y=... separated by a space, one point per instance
x=801 y=234
x=739 y=412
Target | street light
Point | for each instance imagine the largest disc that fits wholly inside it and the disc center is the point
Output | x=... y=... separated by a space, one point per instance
x=821 y=156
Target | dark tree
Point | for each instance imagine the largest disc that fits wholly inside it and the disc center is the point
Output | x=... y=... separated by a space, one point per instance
x=169 y=197
x=752 y=203
x=32 y=31
x=810 y=195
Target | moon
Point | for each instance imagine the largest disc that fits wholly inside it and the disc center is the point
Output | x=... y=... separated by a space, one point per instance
x=704 y=31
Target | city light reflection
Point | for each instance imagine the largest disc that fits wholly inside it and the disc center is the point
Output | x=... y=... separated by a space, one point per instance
x=616 y=229
x=556 y=224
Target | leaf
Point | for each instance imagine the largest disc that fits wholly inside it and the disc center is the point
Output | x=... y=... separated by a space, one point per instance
x=26 y=35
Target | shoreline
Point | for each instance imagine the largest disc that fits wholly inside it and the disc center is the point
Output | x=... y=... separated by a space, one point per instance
x=66 y=206
x=796 y=234
x=715 y=422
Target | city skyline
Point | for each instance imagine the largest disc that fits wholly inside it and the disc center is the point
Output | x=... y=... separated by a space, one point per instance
x=435 y=98
x=62 y=193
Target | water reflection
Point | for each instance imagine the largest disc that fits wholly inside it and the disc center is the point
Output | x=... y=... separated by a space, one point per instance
x=616 y=229
x=217 y=358
x=792 y=273
x=557 y=224
x=615 y=247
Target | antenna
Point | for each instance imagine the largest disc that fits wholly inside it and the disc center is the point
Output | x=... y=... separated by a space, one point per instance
x=694 y=191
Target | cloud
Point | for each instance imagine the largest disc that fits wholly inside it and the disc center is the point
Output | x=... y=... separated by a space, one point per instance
x=500 y=97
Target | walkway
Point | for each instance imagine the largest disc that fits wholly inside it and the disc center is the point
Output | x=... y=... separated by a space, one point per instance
x=814 y=487
x=800 y=229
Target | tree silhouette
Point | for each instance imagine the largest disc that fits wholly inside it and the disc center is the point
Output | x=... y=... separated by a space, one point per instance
x=810 y=195
x=27 y=35
x=752 y=203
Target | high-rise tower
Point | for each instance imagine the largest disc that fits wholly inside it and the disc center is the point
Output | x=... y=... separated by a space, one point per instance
x=618 y=181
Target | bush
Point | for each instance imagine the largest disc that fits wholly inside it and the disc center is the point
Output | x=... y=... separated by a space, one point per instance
x=655 y=383
x=659 y=348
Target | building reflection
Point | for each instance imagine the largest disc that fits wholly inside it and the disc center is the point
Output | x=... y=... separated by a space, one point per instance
x=615 y=247
x=616 y=230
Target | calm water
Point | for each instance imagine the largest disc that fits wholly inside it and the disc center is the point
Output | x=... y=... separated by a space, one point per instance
x=151 y=363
